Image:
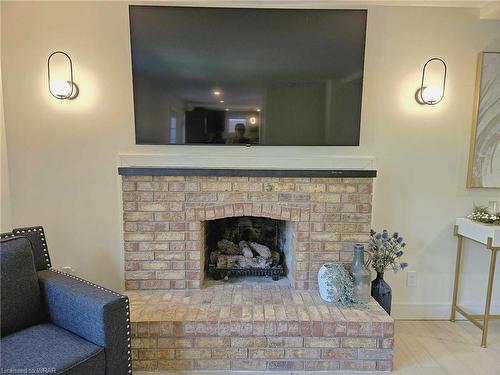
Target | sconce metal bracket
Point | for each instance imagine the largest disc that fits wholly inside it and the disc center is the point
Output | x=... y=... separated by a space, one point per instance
x=420 y=99
x=74 y=88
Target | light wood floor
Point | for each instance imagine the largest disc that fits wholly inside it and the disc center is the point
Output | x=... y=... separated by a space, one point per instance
x=432 y=348
x=445 y=348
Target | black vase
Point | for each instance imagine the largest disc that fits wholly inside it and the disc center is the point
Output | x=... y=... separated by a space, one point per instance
x=382 y=292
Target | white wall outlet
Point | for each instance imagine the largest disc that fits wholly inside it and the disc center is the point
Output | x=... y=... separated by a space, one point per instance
x=411 y=279
x=68 y=269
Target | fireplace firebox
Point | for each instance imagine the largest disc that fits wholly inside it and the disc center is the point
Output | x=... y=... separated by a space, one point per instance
x=243 y=246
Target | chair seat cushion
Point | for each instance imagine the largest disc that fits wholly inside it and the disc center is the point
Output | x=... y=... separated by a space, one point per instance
x=21 y=304
x=46 y=346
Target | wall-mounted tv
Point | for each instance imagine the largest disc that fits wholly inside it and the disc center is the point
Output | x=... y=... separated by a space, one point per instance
x=234 y=76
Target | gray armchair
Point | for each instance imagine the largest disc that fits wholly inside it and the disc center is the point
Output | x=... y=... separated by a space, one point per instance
x=56 y=323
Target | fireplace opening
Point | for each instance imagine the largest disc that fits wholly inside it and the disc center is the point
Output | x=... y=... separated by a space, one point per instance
x=244 y=248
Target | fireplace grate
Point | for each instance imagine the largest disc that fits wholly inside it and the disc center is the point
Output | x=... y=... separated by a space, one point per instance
x=219 y=273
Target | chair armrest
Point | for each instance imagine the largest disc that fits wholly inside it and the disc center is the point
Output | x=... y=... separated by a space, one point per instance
x=97 y=314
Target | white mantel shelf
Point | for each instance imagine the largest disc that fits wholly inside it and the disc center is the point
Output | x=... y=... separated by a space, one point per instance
x=245 y=159
x=478 y=232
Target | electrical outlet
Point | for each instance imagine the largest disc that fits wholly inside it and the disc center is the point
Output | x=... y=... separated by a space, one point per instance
x=411 y=279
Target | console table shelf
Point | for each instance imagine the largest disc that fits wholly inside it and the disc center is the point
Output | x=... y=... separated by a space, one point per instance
x=488 y=235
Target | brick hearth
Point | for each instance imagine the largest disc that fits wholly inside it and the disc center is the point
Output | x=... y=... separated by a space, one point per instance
x=258 y=327
x=164 y=218
x=181 y=322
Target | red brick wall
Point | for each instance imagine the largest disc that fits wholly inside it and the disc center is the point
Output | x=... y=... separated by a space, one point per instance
x=153 y=352
x=163 y=217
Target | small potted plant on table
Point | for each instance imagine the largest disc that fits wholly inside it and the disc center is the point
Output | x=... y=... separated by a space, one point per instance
x=385 y=251
x=483 y=214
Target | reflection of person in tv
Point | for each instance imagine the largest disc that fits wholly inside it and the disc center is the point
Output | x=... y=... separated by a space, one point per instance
x=239 y=137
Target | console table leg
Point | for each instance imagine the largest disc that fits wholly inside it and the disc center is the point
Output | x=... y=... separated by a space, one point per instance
x=457 y=274
x=488 y=295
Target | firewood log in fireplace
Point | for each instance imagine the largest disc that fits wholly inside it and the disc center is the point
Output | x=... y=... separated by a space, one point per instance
x=276 y=257
x=228 y=247
x=262 y=250
x=245 y=254
x=214 y=255
x=240 y=261
x=246 y=250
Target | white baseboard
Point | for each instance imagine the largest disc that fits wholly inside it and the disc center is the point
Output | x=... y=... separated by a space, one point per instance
x=434 y=311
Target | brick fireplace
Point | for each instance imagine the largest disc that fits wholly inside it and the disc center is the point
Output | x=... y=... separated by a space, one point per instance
x=180 y=320
x=165 y=217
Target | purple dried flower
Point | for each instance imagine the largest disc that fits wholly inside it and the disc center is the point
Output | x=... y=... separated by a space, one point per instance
x=386 y=250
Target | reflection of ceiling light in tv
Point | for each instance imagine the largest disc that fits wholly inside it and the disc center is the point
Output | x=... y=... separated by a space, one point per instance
x=217 y=92
x=227 y=109
x=222 y=101
x=258 y=109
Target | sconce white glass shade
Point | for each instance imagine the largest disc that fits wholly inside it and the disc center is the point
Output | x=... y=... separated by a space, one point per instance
x=60 y=88
x=432 y=94
x=253 y=120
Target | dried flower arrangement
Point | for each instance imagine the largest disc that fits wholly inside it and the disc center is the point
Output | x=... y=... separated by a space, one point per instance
x=386 y=251
x=482 y=215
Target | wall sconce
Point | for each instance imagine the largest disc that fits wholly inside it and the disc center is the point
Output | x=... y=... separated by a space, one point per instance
x=62 y=88
x=431 y=94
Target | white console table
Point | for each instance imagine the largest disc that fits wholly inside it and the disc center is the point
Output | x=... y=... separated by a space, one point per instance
x=488 y=235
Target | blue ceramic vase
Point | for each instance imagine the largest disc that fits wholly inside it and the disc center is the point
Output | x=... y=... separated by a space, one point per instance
x=382 y=292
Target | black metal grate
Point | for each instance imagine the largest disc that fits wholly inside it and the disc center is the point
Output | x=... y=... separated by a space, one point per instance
x=220 y=273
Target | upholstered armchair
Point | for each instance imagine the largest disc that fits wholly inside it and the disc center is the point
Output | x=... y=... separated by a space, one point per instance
x=55 y=323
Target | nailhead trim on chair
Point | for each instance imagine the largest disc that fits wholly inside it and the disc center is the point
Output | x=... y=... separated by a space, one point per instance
x=7 y=235
x=42 y=238
x=127 y=312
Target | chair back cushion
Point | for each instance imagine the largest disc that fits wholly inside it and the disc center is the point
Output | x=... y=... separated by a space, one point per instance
x=6 y=235
x=20 y=297
x=36 y=235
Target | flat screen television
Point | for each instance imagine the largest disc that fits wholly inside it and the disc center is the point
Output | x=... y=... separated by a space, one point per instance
x=234 y=76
